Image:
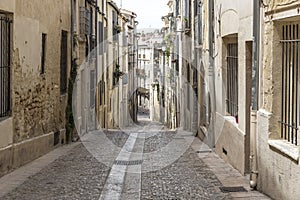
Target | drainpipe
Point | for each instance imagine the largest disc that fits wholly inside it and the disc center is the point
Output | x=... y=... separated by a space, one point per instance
x=72 y=43
x=255 y=90
x=96 y=53
x=72 y=31
x=211 y=74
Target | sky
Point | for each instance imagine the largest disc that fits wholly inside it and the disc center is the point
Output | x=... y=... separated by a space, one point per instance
x=149 y=12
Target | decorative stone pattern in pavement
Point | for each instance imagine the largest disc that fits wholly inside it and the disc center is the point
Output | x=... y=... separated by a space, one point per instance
x=159 y=140
x=77 y=175
x=118 y=138
x=187 y=178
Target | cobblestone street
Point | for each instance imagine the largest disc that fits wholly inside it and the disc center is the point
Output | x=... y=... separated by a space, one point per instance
x=79 y=174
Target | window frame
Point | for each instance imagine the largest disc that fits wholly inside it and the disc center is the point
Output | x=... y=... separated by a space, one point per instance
x=5 y=67
x=232 y=89
x=43 y=53
x=64 y=63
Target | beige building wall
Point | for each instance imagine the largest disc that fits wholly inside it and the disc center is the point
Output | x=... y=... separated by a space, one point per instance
x=113 y=90
x=233 y=24
x=38 y=108
x=278 y=161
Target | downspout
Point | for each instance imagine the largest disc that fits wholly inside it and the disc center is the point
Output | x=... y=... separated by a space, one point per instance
x=72 y=31
x=72 y=47
x=96 y=65
x=255 y=89
x=102 y=62
x=211 y=74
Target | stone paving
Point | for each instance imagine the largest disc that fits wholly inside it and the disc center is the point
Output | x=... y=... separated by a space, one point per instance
x=118 y=138
x=158 y=141
x=187 y=178
x=75 y=176
x=79 y=175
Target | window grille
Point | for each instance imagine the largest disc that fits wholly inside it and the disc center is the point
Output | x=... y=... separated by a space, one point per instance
x=290 y=83
x=232 y=79
x=63 y=62
x=5 y=73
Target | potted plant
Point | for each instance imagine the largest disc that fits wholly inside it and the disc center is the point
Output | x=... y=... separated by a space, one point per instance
x=118 y=28
x=117 y=72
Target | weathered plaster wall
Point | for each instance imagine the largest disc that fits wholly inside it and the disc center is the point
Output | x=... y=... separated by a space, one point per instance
x=38 y=107
x=278 y=173
x=230 y=144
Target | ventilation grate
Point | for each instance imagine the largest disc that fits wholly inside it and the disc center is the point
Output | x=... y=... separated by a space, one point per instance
x=128 y=162
x=204 y=151
x=233 y=189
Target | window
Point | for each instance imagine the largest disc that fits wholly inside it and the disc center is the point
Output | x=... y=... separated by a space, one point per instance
x=195 y=81
x=199 y=22
x=290 y=83
x=92 y=88
x=102 y=93
x=232 y=80
x=114 y=25
x=187 y=17
x=188 y=86
x=5 y=76
x=85 y=21
x=43 y=53
x=75 y=14
x=177 y=11
x=92 y=47
x=105 y=39
x=101 y=38
x=63 y=62
x=139 y=55
x=144 y=56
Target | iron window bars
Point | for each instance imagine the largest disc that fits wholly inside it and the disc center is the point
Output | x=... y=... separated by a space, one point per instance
x=5 y=73
x=290 y=83
x=232 y=79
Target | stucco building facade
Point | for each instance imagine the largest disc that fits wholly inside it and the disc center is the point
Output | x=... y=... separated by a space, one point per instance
x=38 y=62
x=278 y=114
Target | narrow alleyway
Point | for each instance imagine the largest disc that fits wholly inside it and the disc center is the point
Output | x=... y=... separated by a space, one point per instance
x=140 y=170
